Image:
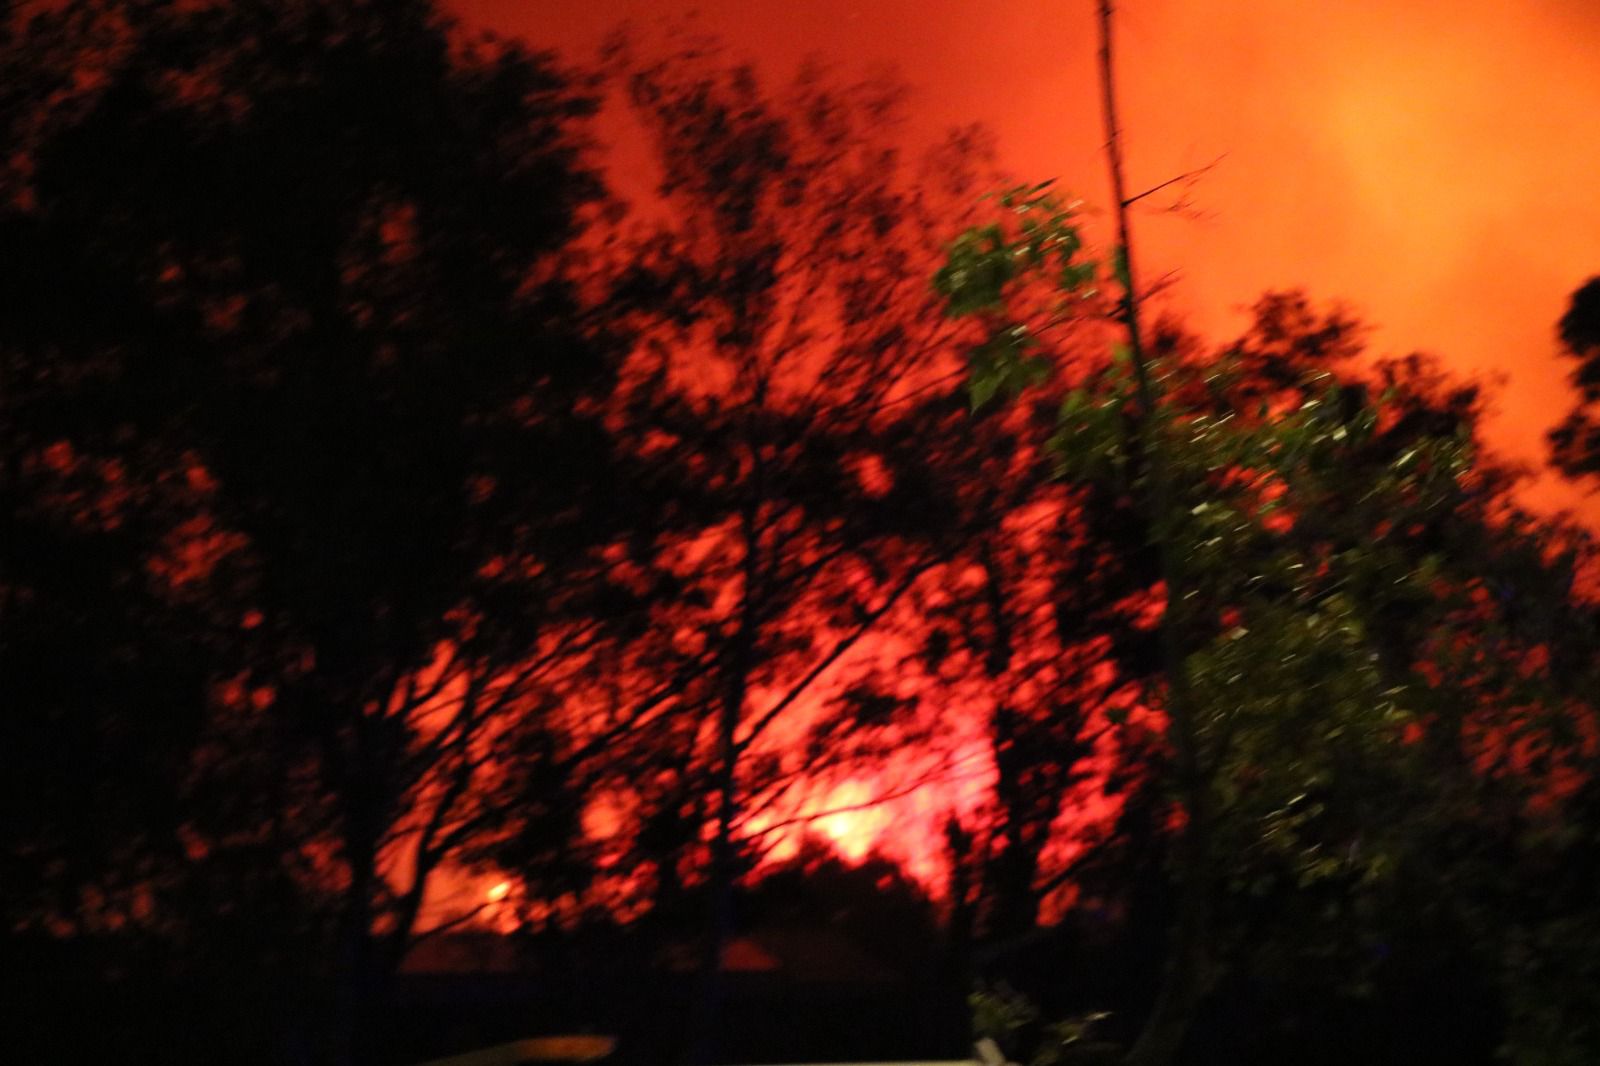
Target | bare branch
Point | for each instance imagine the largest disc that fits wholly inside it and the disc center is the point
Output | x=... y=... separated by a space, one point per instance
x=453 y=923
x=1189 y=176
x=843 y=645
x=899 y=792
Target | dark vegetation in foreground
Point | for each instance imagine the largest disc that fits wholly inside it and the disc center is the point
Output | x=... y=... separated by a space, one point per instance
x=384 y=501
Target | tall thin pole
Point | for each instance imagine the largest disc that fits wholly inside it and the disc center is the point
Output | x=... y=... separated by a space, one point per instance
x=1128 y=299
x=1188 y=971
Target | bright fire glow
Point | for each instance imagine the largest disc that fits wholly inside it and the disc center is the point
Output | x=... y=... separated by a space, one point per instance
x=1355 y=165
x=853 y=832
x=1380 y=151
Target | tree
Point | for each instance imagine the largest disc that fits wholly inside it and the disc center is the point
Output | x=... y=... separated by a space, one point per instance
x=1275 y=601
x=1035 y=627
x=1575 y=444
x=294 y=367
x=788 y=370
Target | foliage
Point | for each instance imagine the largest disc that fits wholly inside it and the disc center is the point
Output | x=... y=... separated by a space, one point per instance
x=1013 y=1022
x=1037 y=237
x=1575 y=444
x=294 y=398
x=380 y=498
x=787 y=372
x=1327 y=544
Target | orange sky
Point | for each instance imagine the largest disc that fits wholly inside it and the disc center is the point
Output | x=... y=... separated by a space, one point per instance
x=1433 y=164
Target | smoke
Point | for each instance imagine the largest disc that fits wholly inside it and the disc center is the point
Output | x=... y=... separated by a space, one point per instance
x=1431 y=164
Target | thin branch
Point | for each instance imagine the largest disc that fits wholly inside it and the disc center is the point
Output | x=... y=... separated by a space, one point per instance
x=843 y=645
x=1188 y=966
x=1078 y=863
x=674 y=686
x=930 y=778
x=453 y=923
x=938 y=384
x=1188 y=175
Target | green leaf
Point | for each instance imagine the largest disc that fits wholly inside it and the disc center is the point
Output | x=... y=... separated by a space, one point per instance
x=1076 y=276
x=1003 y=365
x=978 y=266
x=982 y=387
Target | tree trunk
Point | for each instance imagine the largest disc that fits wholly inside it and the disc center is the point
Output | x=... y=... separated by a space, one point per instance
x=1188 y=973
x=353 y=990
x=708 y=1029
x=959 y=847
x=1014 y=899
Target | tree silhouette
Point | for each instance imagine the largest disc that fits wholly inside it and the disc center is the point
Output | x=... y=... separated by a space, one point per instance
x=1575 y=444
x=294 y=371
x=1325 y=557
x=788 y=351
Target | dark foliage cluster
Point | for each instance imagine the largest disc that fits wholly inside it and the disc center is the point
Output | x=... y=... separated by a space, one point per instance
x=1575 y=443
x=385 y=506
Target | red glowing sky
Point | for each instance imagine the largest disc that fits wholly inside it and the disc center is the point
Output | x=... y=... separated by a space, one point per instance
x=1434 y=165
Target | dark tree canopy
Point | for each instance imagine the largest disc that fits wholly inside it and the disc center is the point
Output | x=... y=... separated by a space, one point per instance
x=1579 y=329
x=380 y=499
x=1575 y=443
x=299 y=403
